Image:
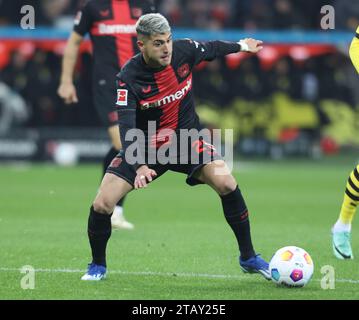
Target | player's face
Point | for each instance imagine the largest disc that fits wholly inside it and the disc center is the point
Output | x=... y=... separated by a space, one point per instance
x=157 y=50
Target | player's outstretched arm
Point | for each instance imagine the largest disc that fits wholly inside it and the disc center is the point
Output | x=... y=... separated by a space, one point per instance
x=209 y=50
x=251 y=45
x=67 y=90
x=144 y=176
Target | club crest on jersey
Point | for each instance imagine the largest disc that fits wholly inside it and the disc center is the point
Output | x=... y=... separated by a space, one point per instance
x=183 y=70
x=122 y=97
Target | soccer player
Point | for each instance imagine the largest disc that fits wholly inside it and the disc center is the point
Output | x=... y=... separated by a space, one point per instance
x=156 y=85
x=111 y=25
x=341 y=231
x=354 y=50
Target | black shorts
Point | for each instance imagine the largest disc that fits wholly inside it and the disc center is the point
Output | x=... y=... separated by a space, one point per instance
x=207 y=153
x=104 y=99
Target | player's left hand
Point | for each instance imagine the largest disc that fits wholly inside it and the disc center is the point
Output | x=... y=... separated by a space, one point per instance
x=254 y=45
x=144 y=176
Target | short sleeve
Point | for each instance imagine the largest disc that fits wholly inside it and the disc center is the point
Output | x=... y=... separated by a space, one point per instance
x=83 y=20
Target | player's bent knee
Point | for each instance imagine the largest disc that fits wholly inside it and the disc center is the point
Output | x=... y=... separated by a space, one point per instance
x=226 y=185
x=102 y=206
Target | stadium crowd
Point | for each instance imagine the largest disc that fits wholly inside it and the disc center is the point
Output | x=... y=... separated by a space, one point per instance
x=35 y=76
x=205 y=14
x=219 y=83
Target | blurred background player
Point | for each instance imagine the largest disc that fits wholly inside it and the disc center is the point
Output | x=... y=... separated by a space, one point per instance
x=342 y=229
x=111 y=25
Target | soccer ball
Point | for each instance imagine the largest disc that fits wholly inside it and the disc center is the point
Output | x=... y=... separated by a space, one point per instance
x=291 y=266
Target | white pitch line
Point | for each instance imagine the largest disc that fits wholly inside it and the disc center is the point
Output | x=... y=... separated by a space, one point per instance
x=162 y=274
x=137 y=273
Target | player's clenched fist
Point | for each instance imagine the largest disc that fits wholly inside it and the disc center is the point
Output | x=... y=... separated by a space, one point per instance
x=144 y=176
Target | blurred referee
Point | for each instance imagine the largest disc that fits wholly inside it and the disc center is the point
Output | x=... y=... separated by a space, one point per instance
x=111 y=26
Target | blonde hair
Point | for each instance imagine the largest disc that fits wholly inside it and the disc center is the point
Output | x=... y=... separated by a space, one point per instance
x=152 y=23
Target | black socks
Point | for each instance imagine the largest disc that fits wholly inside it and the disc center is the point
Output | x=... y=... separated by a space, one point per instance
x=236 y=214
x=99 y=231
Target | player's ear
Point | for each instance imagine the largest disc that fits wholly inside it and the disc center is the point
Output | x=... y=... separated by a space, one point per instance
x=140 y=45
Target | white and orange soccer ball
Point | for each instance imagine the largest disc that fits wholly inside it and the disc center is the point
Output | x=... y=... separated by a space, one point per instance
x=291 y=266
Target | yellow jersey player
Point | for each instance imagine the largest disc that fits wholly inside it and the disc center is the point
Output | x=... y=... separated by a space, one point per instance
x=342 y=229
x=354 y=50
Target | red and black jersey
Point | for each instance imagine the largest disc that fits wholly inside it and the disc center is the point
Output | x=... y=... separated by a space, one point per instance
x=164 y=95
x=111 y=25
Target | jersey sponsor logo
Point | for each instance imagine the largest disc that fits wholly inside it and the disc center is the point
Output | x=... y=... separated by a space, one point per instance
x=183 y=70
x=116 y=28
x=78 y=18
x=146 y=90
x=170 y=98
x=104 y=13
x=122 y=97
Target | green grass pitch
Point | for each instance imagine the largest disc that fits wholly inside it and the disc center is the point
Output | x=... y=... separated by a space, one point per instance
x=182 y=247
